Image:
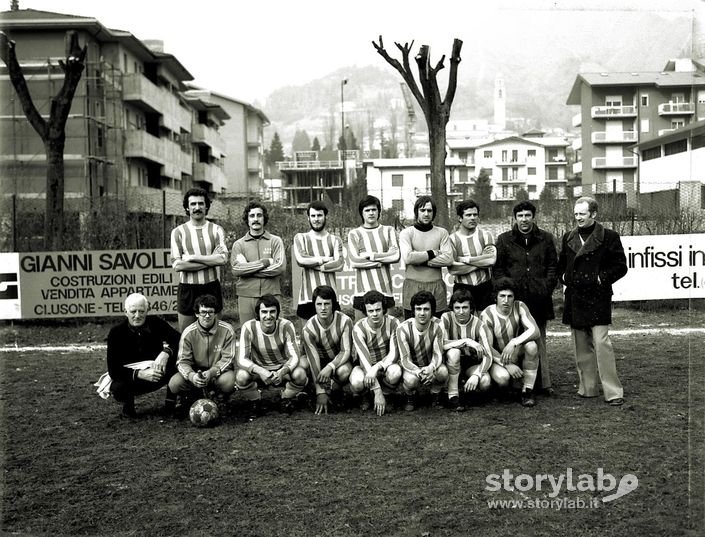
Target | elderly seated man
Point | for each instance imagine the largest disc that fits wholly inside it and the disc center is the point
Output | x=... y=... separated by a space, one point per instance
x=141 y=355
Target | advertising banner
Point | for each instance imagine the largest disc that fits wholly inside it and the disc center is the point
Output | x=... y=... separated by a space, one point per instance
x=85 y=284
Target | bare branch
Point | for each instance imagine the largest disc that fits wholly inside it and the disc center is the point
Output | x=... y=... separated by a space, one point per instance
x=404 y=70
x=453 y=75
x=9 y=56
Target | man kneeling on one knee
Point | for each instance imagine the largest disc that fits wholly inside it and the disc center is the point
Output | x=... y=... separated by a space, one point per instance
x=514 y=341
x=466 y=343
x=269 y=355
x=375 y=341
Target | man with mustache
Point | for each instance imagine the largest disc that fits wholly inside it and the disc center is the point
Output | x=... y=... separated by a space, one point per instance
x=320 y=256
x=198 y=251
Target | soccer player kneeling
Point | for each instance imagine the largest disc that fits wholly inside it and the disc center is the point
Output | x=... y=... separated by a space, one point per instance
x=420 y=341
x=466 y=342
x=514 y=334
x=374 y=338
x=269 y=355
x=327 y=342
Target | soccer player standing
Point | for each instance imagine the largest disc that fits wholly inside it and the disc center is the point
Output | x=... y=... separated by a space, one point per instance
x=198 y=251
x=320 y=256
x=372 y=248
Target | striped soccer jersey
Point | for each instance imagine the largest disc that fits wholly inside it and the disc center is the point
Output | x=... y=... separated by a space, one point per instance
x=374 y=345
x=472 y=245
x=330 y=341
x=419 y=349
x=307 y=245
x=474 y=329
x=271 y=351
x=504 y=328
x=192 y=240
x=362 y=241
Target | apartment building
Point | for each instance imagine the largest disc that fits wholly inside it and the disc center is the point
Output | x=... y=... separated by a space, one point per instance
x=618 y=110
x=399 y=182
x=531 y=162
x=137 y=133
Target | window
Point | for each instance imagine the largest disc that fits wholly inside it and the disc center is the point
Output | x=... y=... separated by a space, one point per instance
x=515 y=174
x=678 y=97
x=504 y=155
x=463 y=155
x=531 y=171
x=613 y=100
x=644 y=125
x=532 y=189
x=515 y=155
x=677 y=123
x=552 y=173
x=697 y=141
x=398 y=205
x=397 y=180
x=505 y=191
x=463 y=175
x=650 y=154
x=644 y=100
x=487 y=154
x=531 y=153
x=505 y=174
x=678 y=146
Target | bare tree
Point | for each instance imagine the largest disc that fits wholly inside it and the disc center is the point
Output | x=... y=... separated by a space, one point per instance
x=436 y=110
x=51 y=131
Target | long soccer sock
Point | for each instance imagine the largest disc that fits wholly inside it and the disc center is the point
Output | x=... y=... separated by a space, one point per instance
x=250 y=392
x=453 y=379
x=529 y=378
x=291 y=390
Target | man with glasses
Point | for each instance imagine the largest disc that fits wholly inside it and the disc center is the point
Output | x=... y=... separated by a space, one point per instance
x=206 y=352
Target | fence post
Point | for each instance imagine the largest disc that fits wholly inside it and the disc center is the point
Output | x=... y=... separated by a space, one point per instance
x=14 y=222
x=164 y=218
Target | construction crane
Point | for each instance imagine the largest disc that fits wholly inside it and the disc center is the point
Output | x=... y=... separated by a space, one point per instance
x=410 y=120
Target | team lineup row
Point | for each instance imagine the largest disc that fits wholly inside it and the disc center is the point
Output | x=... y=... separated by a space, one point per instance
x=492 y=334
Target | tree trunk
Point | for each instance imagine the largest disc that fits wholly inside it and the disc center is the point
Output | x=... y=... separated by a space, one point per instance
x=54 y=216
x=437 y=150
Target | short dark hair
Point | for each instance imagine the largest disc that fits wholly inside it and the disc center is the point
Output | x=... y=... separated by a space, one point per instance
x=326 y=292
x=368 y=201
x=206 y=301
x=267 y=301
x=420 y=202
x=464 y=205
x=372 y=297
x=504 y=284
x=524 y=206
x=318 y=205
x=421 y=298
x=254 y=205
x=196 y=192
x=461 y=295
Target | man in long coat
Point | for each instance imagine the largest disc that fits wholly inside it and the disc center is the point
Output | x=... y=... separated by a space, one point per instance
x=527 y=255
x=591 y=260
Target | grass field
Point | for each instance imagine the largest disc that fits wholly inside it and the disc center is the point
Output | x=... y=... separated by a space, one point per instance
x=72 y=467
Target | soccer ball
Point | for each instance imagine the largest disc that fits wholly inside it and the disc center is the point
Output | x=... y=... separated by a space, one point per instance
x=203 y=412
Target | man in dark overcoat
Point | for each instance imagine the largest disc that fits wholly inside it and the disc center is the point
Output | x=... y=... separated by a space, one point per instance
x=527 y=255
x=591 y=260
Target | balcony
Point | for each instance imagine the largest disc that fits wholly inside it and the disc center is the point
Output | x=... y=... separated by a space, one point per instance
x=310 y=165
x=577 y=120
x=608 y=163
x=608 y=112
x=209 y=173
x=676 y=109
x=137 y=89
x=141 y=144
x=577 y=144
x=516 y=162
x=203 y=134
x=556 y=161
x=578 y=167
x=661 y=132
x=622 y=137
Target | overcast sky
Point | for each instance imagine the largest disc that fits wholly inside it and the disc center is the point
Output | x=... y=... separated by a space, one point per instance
x=248 y=49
